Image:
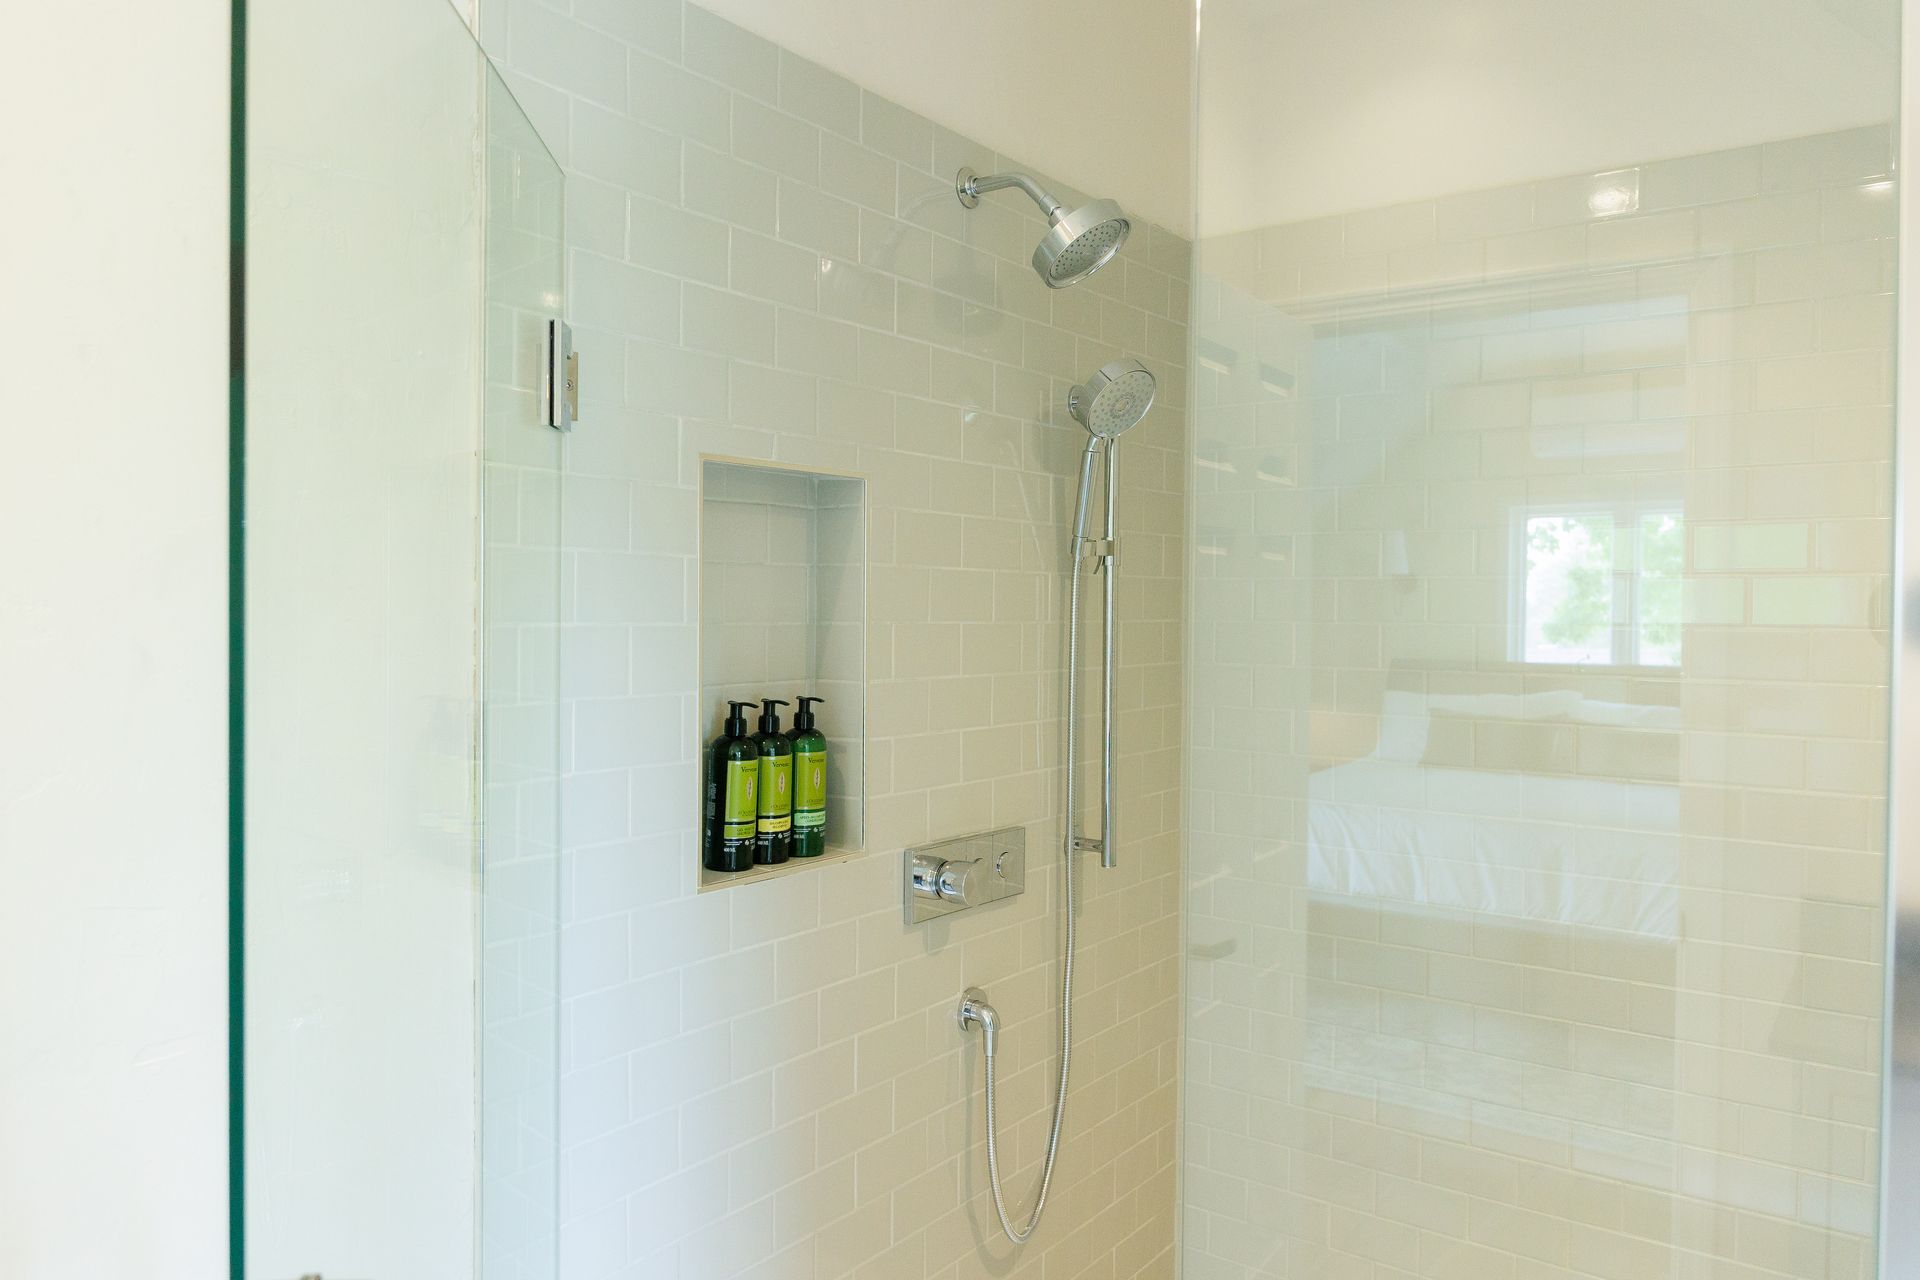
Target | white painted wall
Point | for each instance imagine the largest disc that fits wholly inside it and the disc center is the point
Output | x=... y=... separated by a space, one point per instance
x=1311 y=107
x=113 y=647
x=1093 y=91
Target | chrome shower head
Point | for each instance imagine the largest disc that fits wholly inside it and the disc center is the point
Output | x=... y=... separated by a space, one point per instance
x=1113 y=399
x=1078 y=242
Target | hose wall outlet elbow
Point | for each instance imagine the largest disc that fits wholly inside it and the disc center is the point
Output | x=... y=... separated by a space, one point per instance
x=975 y=1011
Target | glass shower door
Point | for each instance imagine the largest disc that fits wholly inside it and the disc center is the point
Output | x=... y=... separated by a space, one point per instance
x=1540 y=630
x=399 y=951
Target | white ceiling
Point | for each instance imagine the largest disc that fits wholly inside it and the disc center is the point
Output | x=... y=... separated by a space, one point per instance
x=1311 y=107
x=1093 y=92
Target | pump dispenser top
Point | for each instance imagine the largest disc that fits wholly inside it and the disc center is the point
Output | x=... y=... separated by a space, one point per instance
x=737 y=719
x=769 y=718
x=803 y=718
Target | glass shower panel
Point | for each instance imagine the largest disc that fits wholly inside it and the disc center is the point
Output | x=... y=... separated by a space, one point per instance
x=520 y=753
x=401 y=889
x=1538 y=711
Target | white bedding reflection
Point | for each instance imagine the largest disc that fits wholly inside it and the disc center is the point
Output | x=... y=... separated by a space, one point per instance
x=1556 y=846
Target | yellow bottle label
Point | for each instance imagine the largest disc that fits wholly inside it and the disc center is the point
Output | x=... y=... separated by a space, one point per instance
x=809 y=789
x=742 y=816
x=776 y=794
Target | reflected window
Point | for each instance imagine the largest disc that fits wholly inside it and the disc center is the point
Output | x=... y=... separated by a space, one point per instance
x=1598 y=586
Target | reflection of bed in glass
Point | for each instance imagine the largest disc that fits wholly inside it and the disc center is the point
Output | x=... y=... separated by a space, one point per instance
x=1518 y=806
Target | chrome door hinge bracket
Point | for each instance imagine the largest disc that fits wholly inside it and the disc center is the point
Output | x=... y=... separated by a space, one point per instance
x=560 y=377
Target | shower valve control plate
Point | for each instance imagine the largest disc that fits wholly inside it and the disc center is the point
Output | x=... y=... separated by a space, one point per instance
x=965 y=872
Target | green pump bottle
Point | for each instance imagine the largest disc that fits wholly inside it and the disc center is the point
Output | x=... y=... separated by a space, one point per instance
x=809 y=782
x=733 y=783
x=775 y=840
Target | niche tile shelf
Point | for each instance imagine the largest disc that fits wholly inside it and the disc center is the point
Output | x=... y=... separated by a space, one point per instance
x=783 y=611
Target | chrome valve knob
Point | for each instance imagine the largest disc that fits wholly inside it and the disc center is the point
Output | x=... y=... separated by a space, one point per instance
x=959 y=882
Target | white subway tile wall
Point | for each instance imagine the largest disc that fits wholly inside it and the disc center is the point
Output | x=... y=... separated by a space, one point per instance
x=1538 y=729
x=767 y=1081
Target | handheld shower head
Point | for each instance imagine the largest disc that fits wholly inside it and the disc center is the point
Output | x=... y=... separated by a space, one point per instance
x=1078 y=241
x=1118 y=395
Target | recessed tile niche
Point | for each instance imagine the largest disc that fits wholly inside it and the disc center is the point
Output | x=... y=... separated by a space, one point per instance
x=783 y=612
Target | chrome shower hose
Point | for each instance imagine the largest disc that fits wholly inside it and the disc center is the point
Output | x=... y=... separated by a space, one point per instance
x=1019 y=1235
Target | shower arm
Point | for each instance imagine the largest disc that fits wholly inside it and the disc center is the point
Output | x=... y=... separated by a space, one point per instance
x=972 y=186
